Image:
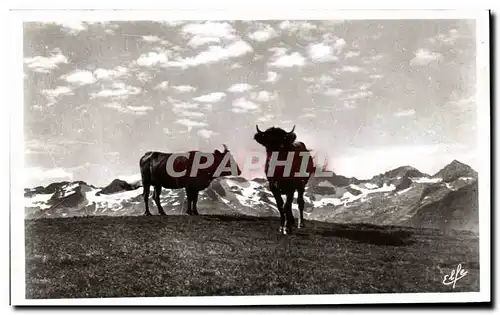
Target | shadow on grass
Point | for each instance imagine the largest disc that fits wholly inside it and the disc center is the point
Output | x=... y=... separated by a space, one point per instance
x=229 y=218
x=363 y=233
x=370 y=236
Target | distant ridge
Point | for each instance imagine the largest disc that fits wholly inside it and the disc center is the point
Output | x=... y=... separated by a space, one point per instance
x=455 y=170
x=401 y=196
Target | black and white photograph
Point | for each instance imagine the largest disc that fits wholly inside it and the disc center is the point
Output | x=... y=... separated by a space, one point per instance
x=337 y=159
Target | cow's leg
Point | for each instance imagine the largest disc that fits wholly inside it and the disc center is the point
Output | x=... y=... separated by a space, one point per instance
x=156 y=196
x=145 y=195
x=289 y=219
x=279 y=205
x=195 y=201
x=301 y=204
x=189 y=202
x=192 y=195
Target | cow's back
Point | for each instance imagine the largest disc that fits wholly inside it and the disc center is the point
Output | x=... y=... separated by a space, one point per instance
x=154 y=164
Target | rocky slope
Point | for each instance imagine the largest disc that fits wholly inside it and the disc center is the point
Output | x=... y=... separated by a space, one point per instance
x=403 y=196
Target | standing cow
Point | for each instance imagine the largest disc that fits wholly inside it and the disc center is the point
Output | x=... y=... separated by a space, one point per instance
x=193 y=171
x=292 y=165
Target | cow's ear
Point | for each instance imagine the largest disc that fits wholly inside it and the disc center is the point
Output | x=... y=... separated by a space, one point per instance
x=291 y=137
x=217 y=152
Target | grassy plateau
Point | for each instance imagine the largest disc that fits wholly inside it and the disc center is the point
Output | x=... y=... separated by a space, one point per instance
x=90 y=257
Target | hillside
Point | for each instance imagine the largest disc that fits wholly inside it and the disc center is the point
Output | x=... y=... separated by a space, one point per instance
x=403 y=196
x=89 y=257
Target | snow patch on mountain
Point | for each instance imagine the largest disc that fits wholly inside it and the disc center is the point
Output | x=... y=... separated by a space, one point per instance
x=426 y=180
x=38 y=200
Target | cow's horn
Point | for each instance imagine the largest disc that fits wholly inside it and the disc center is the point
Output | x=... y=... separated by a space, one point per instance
x=258 y=130
x=292 y=129
x=225 y=148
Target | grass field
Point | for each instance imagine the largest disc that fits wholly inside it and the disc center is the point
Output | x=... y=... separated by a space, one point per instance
x=215 y=255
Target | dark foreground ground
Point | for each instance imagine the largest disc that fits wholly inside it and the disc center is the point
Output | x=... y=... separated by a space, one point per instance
x=216 y=255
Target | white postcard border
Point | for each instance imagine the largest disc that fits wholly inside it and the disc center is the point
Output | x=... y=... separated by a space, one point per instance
x=15 y=97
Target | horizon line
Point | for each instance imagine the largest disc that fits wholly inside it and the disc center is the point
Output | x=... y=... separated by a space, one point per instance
x=263 y=177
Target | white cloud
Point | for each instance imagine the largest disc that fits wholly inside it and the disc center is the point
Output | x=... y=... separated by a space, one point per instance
x=373 y=59
x=339 y=44
x=242 y=105
x=210 y=29
x=264 y=34
x=172 y=23
x=278 y=51
x=184 y=88
x=325 y=79
x=265 y=118
x=321 y=53
x=307 y=115
x=151 y=38
x=152 y=58
x=117 y=72
x=333 y=92
x=162 y=85
x=54 y=94
x=353 y=69
x=144 y=76
x=447 y=38
x=351 y=54
x=214 y=54
x=465 y=104
x=209 y=98
x=188 y=114
x=197 y=41
x=239 y=88
x=189 y=123
x=45 y=64
x=294 y=59
x=263 y=96
x=358 y=95
x=120 y=90
x=72 y=27
x=184 y=105
x=135 y=110
x=272 y=76
x=424 y=57
x=349 y=104
x=332 y=23
x=185 y=110
x=405 y=113
x=205 y=133
x=294 y=26
x=376 y=76
x=80 y=77
x=60 y=90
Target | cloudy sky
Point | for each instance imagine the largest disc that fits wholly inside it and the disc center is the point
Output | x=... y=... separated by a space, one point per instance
x=370 y=95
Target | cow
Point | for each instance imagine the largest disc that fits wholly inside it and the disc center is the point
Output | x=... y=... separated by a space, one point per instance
x=280 y=145
x=190 y=170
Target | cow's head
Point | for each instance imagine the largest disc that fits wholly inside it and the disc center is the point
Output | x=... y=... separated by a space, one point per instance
x=275 y=139
x=225 y=164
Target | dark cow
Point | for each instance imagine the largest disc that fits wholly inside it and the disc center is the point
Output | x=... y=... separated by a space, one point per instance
x=194 y=178
x=282 y=144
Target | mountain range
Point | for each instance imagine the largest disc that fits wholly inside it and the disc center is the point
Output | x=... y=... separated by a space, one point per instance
x=403 y=196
